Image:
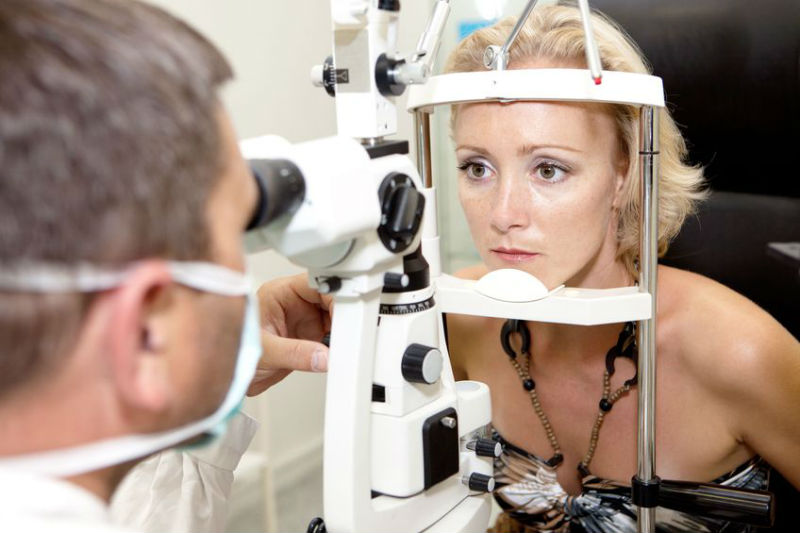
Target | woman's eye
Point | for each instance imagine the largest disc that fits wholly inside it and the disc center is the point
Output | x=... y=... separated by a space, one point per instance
x=550 y=172
x=476 y=171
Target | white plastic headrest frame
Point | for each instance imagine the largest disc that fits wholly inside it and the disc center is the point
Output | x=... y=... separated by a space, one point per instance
x=552 y=84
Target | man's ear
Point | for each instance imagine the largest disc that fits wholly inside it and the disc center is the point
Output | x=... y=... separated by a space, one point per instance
x=142 y=310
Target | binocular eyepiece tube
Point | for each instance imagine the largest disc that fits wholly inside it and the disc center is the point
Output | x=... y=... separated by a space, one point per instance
x=281 y=189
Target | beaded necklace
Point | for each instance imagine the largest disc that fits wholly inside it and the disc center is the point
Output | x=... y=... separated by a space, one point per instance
x=625 y=347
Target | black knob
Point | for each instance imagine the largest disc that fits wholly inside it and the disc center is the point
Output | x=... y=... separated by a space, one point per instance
x=402 y=206
x=329 y=285
x=385 y=76
x=395 y=280
x=329 y=76
x=389 y=5
x=485 y=447
x=317 y=525
x=480 y=482
x=421 y=364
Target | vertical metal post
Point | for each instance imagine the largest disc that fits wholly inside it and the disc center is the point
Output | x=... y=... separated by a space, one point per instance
x=648 y=265
x=422 y=128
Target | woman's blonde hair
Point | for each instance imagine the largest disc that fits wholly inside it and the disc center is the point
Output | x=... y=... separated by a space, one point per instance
x=554 y=32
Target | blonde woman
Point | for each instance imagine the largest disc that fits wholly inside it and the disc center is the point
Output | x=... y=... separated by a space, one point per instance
x=552 y=189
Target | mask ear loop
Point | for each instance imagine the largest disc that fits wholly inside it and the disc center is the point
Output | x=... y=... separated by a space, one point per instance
x=84 y=277
x=210 y=277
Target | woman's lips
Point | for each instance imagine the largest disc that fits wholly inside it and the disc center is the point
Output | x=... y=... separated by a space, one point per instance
x=513 y=255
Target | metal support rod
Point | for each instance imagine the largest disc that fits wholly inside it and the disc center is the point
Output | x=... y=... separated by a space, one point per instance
x=499 y=58
x=648 y=265
x=592 y=54
x=422 y=128
x=429 y=41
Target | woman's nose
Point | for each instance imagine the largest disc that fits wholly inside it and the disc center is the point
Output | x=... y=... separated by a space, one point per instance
x=511 y=206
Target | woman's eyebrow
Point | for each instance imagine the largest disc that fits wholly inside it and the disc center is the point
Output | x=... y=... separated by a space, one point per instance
x=478 y=149
x=523 y=150
x=527 y=149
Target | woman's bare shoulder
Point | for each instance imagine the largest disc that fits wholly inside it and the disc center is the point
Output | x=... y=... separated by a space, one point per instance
x=744 y=360
x=695 y=300
x=717 y=331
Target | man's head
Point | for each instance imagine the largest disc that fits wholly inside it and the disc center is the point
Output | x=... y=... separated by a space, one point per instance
x=115 y=151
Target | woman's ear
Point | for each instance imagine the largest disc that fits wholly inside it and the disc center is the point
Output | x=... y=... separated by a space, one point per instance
x=143 y=310
x=620 y=180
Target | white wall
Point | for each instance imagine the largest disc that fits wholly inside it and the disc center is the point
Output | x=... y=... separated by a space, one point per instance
x=272 y=45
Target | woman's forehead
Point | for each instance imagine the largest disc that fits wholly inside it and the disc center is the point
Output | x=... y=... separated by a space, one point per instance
x=562 y=123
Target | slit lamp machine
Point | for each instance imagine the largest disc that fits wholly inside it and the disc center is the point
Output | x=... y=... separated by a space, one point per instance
x=406 y=447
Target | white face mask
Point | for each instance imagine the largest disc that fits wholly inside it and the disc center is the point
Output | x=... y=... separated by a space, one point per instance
x=206 y=277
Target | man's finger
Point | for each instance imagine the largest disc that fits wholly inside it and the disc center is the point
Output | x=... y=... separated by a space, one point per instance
x=281 y=353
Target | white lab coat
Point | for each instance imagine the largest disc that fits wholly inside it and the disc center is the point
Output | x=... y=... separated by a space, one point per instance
x=170 y=492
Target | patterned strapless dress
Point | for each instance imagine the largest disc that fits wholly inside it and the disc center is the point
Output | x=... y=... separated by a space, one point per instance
x=533 y=501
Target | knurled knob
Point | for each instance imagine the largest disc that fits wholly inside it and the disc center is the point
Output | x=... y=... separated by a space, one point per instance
x=480 y=482
x=486 y=447
x=422 y=364
x=395 y=280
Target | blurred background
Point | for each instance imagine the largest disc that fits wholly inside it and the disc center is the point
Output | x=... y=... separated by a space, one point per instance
x=272 y=45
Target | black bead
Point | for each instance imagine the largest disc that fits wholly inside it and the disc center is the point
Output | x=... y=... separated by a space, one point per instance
x=529 y=384
x=556 y=460
x=605 y=405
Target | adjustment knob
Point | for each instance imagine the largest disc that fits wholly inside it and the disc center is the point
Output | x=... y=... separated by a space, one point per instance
x=325 y=76
x=386 y=76
x=395 y=280
x=479 y=482
x=402 y=206
x=485 y=447
x=389 y=5
x=421 y=364
x=329 y=285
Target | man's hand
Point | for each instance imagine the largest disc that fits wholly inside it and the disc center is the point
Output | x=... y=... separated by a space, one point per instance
x=294 y=319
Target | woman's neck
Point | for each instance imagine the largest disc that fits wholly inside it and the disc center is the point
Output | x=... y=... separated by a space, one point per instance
x=579 y=344
x=605 y=271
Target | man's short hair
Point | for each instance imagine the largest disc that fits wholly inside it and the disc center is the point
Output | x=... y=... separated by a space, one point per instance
x=110 y=144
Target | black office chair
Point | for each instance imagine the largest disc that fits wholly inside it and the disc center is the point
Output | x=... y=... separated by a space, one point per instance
x=731 y=71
